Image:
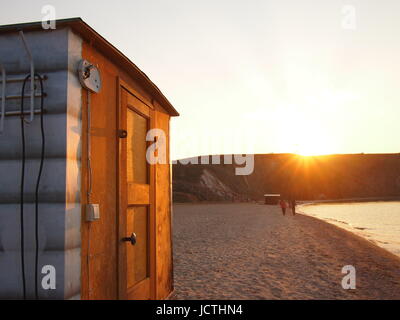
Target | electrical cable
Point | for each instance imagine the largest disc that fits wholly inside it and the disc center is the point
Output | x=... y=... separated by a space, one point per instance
x=89 y=148
x=22 y=190
x=89 y=187
x=42 y=157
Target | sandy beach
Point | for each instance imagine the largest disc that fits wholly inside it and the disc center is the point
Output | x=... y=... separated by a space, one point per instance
x=251 y=251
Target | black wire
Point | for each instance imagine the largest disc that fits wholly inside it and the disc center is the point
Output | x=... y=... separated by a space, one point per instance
x=36 y=189
x=38 y=185
x=22 y=189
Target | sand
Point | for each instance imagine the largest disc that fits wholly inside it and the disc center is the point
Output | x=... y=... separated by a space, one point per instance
x=251 y=251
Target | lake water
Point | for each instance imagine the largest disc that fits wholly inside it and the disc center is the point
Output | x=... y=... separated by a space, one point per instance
x=379 y=222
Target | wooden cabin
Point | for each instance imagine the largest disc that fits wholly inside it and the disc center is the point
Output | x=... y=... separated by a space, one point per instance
x=104 y=211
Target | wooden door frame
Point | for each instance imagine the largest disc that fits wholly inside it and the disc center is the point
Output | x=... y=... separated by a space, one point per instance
x=122 y=200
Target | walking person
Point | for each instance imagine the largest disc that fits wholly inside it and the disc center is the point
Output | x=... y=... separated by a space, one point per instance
x=283 y=205
x=293 y=206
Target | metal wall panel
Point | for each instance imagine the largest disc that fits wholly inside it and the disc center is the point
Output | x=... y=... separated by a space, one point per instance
x=56 y=54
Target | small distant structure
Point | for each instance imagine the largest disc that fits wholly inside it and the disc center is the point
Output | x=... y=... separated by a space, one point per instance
x=271 y=199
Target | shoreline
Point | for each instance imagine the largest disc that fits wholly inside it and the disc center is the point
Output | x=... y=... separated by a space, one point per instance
x=351 y=200
x=251 y=251
x=347 y=226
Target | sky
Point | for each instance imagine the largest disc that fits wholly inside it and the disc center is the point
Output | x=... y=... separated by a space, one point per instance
x=258 y=76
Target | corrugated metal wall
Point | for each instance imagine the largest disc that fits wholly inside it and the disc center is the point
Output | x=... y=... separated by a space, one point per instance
x=56 y=54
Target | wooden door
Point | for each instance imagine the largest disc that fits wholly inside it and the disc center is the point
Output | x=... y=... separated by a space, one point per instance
x=136 y=211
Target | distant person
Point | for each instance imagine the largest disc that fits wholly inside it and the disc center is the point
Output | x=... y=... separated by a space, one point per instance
x=283 y=205
x=293 y=206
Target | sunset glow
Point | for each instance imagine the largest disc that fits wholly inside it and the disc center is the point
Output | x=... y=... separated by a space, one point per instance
x=286 y=77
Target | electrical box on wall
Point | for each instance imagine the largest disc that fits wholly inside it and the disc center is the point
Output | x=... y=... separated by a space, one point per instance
x=89 y=76
x=92 y=212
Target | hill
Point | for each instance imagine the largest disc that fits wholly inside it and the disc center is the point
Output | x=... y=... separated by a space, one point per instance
x=307 y=178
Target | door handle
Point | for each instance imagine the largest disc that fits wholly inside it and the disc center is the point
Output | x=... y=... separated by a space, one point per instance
x=123 y=134
x=132 y=239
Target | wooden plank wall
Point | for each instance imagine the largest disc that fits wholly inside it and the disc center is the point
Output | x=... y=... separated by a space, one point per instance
x=99 y=256
x=163 y=216
x=99 y=239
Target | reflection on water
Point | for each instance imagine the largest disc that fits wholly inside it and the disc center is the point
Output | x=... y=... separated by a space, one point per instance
x=376 y=221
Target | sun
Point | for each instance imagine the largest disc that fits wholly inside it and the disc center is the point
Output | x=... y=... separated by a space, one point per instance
x=310 y=142
x=313 y=150
x=305 y=135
